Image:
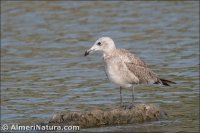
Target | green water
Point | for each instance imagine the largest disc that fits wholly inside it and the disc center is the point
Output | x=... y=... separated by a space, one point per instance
x=43 y=69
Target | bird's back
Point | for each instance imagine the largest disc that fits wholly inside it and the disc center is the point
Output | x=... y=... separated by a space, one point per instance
x=126 y=56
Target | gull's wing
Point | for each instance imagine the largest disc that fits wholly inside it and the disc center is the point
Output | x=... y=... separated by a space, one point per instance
x=138 y=67
x=144 y=74
x=131 y=58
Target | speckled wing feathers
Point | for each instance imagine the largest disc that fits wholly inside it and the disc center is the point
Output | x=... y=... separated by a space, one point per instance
x=129 y=57
x=138 y=67
x=145 y=75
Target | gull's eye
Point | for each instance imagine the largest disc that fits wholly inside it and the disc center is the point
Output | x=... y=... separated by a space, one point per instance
x=99 y=43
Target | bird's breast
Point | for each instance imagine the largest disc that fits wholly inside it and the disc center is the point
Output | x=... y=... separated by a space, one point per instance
x=114 y=71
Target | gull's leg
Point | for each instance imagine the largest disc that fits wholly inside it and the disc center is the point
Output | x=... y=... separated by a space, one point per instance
x=120 y=96
x=132 y=105
x=133 y=94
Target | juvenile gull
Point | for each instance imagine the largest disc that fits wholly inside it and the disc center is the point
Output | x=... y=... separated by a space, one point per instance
x=124 y=68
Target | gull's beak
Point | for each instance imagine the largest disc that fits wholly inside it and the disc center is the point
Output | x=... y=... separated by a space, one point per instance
x=91 y=50
x=87 y=52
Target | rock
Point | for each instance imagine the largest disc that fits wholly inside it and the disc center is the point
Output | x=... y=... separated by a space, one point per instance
x=97 y=118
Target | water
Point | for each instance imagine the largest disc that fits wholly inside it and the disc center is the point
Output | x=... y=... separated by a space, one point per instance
x=43 y=69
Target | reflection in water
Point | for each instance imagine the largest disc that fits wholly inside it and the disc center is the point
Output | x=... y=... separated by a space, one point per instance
x=43 y=69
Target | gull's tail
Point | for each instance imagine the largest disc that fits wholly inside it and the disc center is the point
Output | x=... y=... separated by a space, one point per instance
x=166 y=82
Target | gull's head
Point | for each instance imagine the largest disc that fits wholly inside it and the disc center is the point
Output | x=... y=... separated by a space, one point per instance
x=105 y=44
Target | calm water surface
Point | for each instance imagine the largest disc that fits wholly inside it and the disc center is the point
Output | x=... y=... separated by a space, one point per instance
x=43 y=69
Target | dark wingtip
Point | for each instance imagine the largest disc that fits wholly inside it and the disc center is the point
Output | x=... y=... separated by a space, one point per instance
x=167 y=82
x=164 y=82
x=86 y=53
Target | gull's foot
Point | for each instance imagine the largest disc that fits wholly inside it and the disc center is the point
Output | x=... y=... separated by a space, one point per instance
x=127 y=106
x=131 y=106
x=123 y=106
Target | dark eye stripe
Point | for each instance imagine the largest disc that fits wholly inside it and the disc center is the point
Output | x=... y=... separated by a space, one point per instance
x=99 y=43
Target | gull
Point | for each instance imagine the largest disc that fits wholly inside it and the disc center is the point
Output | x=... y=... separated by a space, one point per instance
x=124 y=68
